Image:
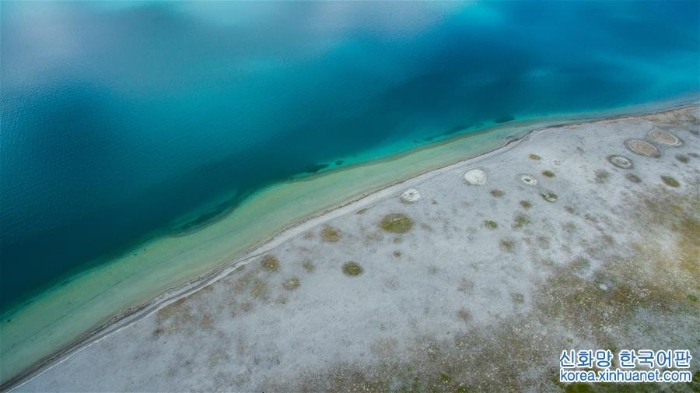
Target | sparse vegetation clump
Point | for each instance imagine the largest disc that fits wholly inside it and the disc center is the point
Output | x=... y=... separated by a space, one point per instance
x=171 y=309
x=671 y=182
x=548 y=173
x=601 y=176
x=352 y=268
x=270 y=263
x=535 y=157
x=396 y=223
x=526 y=204
x=291 y=284
x=308 y=266
x=507 y=245
x=520 y=221
x=497 y=193
x=259 y=289
x=464 y=315
x=682 y=158
x=633 y=178
x=580 y=264
x=330 y=234
x=490 y=224
x=518 y=298
x=569 y=227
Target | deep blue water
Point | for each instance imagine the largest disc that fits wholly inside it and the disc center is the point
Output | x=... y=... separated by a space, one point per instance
x=122 y=119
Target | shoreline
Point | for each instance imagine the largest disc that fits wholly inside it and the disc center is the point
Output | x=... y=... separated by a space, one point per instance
x=135 y=313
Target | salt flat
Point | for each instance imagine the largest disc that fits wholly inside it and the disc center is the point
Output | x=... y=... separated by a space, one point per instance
x=468 y=288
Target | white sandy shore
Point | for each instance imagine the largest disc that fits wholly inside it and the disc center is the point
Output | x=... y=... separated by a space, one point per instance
x=49 y=324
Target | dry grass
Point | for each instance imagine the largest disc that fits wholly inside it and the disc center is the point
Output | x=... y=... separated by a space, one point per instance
x=464 y=315
x=520 y=221
x=633 y=178
x=682 y=158
x=352 y=268
x=330 y=234
x=396 y=223
x=517 y=298
x=490 y=224
x=171 y=309
x=669 y=181
x=259 y=289
x=308 y=266
x=543 y=242
x=601 y=176
x=291 y=284
x=270 y=263
x=477 y=360
x=507 y=245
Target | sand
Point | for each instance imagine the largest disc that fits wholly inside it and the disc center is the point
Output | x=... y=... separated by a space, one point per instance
x=481 y=289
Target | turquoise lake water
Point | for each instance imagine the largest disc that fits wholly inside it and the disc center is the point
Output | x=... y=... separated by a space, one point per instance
x=127 y=120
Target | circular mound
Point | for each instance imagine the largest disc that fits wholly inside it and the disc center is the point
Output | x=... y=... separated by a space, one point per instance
x=352 y=269
x=411 y=195
x=664 y=137
x=475 y=177
x=529 y=180
x=621 y=162
x=549 y=196
x=643 y=148
x=270 y=263
x=291 y=284
x=396 y=223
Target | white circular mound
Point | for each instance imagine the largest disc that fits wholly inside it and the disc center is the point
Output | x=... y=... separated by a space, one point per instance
x=475 y=177
x=665 y=137
x=549 y=196
x=621 y=162
x=411 y=195
x=529 y=180
x=643 y=148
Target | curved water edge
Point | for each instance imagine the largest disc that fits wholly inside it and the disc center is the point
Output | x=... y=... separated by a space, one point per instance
x=100 y=300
